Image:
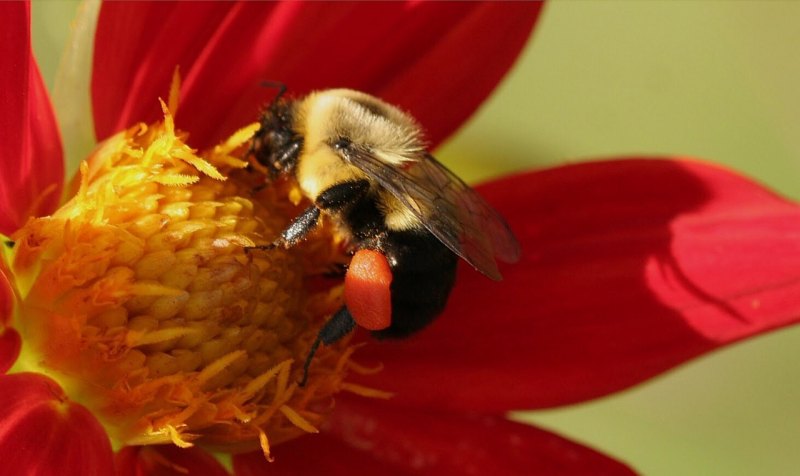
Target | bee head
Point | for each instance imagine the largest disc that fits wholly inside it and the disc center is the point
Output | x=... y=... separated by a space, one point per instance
x=276 y=145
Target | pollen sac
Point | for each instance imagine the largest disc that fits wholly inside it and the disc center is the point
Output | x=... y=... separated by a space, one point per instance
x=141 y=297
x=367 y=290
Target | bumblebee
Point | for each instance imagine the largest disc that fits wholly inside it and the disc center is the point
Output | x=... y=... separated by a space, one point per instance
x=364 y=163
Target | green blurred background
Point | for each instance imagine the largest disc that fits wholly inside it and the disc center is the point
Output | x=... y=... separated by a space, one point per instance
x=711 y=79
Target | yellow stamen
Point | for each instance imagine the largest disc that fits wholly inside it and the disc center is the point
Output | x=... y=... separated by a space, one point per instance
x=262 y=439
x=223 y=151
x=298 y=420
x=176 y=438
x=362 y=370
x=218 y=366
x=259 y=382
x=366 y=391
x=174 y=90
x=155 y=337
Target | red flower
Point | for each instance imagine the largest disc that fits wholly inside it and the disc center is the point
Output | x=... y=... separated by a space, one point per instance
x=630 y=267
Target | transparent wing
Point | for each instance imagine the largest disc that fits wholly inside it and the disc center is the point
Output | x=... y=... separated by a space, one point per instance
x=449 y=208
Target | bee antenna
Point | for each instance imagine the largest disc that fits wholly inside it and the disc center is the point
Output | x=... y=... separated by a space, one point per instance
x=275 y=85
x=337 y=327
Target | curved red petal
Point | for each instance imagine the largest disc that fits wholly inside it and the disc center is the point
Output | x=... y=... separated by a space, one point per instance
x=10 y=340
x=313 y=454
x=166 y=460
x=445 y=85
x=439 y=60
x=10 y=345
x=376 y=437
x=42 y=433
x=629 y=268
x=30 y=147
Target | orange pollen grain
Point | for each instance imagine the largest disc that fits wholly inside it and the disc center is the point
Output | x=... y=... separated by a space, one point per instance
x=138 y=295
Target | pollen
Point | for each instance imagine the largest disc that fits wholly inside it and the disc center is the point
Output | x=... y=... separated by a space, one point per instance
x=140 y=295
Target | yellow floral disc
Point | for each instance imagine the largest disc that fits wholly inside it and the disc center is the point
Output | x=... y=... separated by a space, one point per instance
x=140 y=296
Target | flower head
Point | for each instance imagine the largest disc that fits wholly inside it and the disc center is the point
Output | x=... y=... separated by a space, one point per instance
x=138 y=299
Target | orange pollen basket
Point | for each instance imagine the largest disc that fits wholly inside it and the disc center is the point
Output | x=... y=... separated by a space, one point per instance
x=140 y=297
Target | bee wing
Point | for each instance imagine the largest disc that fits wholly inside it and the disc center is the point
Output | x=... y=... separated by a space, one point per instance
x=449 y=208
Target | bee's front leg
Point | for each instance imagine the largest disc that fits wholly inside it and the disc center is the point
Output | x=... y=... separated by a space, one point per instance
x=295 y=232
x=299 y=228
x=332 y=199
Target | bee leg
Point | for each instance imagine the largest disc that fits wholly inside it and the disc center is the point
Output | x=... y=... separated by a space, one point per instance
x=338 y=326
x=295 y=232
x=299 y=228
x=286 y=158
x=342 y=194
x=334 y=198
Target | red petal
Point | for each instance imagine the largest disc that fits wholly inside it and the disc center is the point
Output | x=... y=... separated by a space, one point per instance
x=30 y=147
x=629 y=268
x=313 y=454
x=438 y=60
x=43 y=433
x=10 y=340
x=10 y=345
x=376 y=437
x=166 y=460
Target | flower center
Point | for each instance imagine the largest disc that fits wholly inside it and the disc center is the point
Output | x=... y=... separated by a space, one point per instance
x=140 y=297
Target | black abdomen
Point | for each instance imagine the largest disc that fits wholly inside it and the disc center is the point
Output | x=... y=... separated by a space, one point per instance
x=423 y=269
x=423 y=272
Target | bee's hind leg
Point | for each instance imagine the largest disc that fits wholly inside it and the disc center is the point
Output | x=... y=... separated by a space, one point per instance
x=338 y=326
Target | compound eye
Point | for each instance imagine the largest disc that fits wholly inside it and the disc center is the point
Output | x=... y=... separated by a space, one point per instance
x=343 y=143
x=274 y=140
